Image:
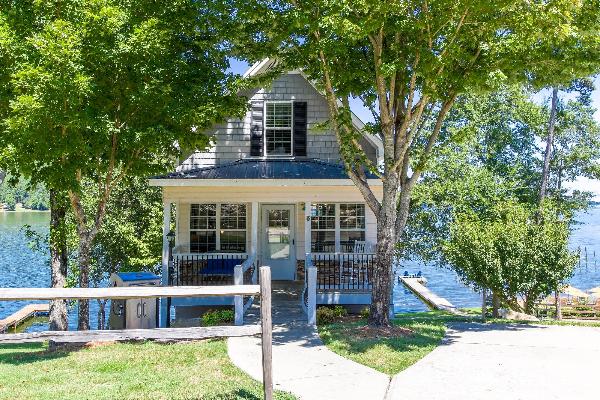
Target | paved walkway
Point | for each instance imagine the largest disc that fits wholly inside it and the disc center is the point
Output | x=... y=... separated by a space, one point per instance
x=518 y=362
x=302 y=365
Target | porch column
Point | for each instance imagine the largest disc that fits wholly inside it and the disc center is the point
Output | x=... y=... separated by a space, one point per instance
x=307 y=223
x=254 y=232
x=165 y=261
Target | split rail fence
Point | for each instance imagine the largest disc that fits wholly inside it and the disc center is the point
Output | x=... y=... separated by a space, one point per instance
x=158 y=334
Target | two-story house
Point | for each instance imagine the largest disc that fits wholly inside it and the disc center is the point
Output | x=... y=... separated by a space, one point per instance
x=271 y=191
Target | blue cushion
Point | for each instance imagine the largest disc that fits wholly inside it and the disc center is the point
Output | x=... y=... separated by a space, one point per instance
x=221 y=266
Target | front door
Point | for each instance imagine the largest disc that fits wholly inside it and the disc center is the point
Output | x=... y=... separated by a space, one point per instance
x=278 y=243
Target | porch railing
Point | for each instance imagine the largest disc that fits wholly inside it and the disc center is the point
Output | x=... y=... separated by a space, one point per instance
x=208 y=269
x=343 y=271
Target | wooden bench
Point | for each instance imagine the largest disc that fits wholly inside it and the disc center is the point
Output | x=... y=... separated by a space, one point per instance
x=157 y=334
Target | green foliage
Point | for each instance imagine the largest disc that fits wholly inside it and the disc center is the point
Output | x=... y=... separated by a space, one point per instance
x=131 y=237
x=15 y=190
x=493 y=154
x=107 y=87
x=328 y=315
x=217 y=317
x=517 y=252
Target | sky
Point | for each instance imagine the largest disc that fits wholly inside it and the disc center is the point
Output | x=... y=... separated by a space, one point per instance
x=239 y=67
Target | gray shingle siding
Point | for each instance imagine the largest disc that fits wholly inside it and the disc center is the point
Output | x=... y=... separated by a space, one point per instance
x=232 y=139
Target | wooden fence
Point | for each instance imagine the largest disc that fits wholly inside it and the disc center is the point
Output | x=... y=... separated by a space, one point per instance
x=158 y=334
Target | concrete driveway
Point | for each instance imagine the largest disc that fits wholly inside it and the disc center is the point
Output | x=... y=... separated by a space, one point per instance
x=508 y=362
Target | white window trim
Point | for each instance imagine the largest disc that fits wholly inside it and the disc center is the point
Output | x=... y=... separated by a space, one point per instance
x=338 y=229
x=218 y=228
x=291 y=128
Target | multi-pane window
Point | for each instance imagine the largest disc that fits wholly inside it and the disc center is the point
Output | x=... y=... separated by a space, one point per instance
x=336 y=226
x=203 y=228
x=352 y=225
x=217 y=228
x=233 y=227
x=278 y=128
x=322 y=228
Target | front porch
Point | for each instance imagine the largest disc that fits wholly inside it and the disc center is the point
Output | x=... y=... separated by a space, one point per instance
x=218 y=229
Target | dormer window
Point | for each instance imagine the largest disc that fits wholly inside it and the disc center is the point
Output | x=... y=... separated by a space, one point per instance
x=279 y=128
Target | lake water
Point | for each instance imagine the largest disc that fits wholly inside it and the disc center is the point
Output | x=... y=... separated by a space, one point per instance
x=21 y=266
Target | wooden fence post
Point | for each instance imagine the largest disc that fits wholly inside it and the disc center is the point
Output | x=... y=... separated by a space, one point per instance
x=238 y=301
x=267 y=331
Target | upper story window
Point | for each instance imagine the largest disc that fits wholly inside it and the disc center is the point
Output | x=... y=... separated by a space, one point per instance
x=278 y=128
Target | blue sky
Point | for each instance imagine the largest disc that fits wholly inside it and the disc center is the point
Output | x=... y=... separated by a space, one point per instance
x=240 y=67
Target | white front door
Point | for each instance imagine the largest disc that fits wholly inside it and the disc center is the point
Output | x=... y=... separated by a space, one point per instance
x=278 y=248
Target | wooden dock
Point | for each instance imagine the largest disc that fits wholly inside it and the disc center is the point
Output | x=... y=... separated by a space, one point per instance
x=25 y=313
x=433 y=300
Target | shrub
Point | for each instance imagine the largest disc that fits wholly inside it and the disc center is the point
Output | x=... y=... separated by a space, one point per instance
x=327 y=315
x=365 y=312
x=217 y=317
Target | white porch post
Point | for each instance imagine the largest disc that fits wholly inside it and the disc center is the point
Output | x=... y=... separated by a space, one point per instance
x=307 y=238
x=165 y=260
x=309 y=273
x=254 y=232
x=238 y=301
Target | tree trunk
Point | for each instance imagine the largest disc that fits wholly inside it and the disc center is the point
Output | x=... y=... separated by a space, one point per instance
x=58 y=260
x=84 y=282
x=549 y=143
x=558 y=305
x=495 y=306
x=483 y=304
x=386 y=246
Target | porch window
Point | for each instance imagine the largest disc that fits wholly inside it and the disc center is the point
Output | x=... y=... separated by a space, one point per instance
x=217 y=227
x=203 y=228
x=352 y=225
x=278 y=128
x=336 y=226
x=322 y=228
x=233 y=227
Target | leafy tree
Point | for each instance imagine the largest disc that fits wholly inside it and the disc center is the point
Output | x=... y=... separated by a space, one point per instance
x=511 y=253
x=409 y=61
x=99 y=90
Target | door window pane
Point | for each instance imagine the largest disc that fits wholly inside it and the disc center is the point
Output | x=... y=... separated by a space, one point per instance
x=278 y=234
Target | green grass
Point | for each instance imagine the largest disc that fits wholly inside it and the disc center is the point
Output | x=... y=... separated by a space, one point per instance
x=198 y=370
x=389 y=355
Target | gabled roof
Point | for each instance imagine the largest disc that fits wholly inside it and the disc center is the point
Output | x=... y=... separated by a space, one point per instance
x=266 y=64
x=276 y=171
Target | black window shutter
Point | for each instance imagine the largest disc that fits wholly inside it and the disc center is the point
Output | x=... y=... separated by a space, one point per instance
x=257 y=130
x=300 y=128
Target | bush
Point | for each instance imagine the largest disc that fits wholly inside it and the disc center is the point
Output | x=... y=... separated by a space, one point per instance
x=365 y=312
x=327 y=315
x=217 y=317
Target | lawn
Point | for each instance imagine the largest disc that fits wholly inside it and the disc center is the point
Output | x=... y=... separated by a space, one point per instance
x=197 y=370
x=389 y=355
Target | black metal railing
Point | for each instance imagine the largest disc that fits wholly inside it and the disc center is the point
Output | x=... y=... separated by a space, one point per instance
x=344 y=271
x=191 y=269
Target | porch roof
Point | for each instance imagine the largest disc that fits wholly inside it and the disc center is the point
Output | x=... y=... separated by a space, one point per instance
x=261 y=168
